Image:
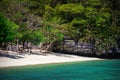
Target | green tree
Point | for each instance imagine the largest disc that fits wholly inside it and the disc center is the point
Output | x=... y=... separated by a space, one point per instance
x=37 y=37
x=8 y=30
x=53 y=30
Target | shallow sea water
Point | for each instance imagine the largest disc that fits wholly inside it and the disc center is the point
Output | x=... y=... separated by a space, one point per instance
x=86 y=70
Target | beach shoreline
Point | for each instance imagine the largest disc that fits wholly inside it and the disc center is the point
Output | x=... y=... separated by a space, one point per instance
x=34 y=59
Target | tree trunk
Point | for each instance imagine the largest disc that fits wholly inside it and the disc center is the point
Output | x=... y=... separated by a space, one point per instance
x=0 y=45
x=17 y=46
x=23 y=44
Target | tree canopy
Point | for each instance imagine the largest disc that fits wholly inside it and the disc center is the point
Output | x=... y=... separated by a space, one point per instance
x=48 y=21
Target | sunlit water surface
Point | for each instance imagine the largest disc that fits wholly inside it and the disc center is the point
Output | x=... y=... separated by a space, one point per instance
x=87 y=70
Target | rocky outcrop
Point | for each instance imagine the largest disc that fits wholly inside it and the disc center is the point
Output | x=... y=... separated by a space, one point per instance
x=83 y=49
x=70 y=47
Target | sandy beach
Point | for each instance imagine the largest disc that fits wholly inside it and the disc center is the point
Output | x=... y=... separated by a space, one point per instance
x=41 y=58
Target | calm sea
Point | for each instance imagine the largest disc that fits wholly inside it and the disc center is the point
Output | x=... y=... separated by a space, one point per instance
x=87 y=70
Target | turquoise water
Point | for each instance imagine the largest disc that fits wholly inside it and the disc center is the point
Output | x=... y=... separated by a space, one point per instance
x=88 y=70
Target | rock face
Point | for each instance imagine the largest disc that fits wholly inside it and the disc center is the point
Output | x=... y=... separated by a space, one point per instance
x=70 y=47
x=79 y=49
x=83 y=49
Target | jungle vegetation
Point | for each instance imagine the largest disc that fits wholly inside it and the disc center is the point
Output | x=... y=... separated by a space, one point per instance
x=50 y=21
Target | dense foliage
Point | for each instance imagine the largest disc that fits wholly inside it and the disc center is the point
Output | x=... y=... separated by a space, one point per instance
x=50 y=21
x=8 y=30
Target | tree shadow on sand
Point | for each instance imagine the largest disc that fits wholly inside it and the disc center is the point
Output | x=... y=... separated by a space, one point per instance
x=10 y=55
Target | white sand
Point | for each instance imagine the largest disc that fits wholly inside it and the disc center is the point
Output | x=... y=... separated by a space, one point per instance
x=42 y=59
